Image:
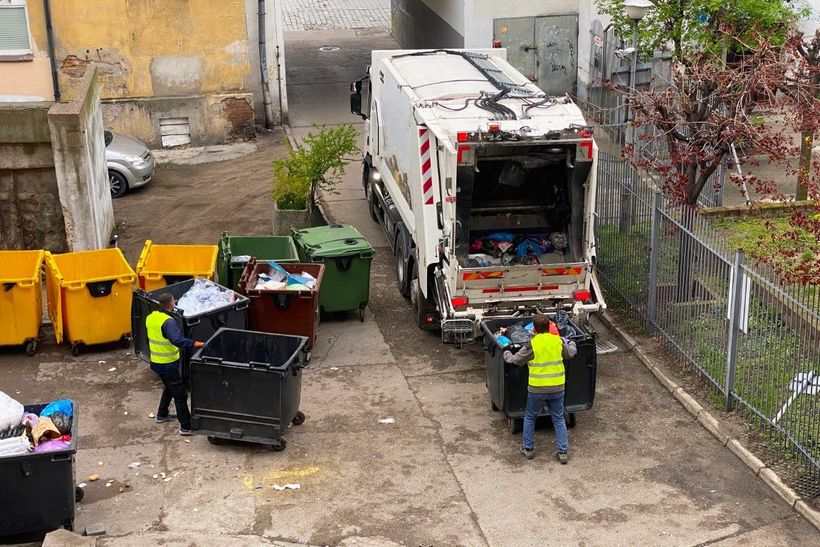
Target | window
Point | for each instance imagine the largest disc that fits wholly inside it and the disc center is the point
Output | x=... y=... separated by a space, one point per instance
x=15 y=43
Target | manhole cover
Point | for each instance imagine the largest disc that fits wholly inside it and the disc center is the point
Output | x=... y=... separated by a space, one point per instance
x=329 y=48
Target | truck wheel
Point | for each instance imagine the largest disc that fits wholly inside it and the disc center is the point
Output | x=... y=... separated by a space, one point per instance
x=401 y=270
x=372 y=205
x=421 y=307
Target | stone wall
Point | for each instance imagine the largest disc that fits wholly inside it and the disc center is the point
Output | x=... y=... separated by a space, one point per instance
x=30 y=212
x=53 y=182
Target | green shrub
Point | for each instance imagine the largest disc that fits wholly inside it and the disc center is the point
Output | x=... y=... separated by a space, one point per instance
x=318 y=165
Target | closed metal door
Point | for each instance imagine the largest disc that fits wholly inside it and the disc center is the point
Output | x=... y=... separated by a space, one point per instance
x=557 y=56
x=517 y=36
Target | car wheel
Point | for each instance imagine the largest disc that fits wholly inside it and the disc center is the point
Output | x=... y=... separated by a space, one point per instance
x=117 y=183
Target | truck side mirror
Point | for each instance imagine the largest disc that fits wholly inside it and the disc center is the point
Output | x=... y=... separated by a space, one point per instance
x=356 y=99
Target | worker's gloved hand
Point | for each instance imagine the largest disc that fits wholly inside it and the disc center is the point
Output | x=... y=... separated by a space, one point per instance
x=565 y=340
x=198 y=344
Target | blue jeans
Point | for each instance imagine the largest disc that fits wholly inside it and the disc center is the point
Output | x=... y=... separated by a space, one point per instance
x=535 y=402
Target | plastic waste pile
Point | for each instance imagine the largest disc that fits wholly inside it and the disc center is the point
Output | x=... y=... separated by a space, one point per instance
x=23 y=432
x=519 y=334
x=278 y=279
x=204 y=296
x=507 y=249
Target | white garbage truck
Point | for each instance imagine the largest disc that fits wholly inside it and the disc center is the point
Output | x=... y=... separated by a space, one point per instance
x=484 y=185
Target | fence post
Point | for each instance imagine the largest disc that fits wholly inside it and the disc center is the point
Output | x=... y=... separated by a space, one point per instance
x=627 y=185
x=734 y=318
x=652 y=302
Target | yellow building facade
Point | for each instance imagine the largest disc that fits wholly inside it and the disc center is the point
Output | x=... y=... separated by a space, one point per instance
x=171 y=71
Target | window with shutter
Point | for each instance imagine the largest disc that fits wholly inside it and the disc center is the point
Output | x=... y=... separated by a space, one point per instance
x=15 y=42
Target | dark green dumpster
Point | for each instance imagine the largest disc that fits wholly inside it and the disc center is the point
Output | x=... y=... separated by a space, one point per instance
x=346 y=255
x=235 y=250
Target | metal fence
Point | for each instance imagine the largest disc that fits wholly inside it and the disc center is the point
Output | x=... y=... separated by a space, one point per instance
x=755 y=340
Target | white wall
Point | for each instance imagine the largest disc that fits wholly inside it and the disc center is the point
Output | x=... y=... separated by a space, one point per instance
x=452 y=11
x=586 y=15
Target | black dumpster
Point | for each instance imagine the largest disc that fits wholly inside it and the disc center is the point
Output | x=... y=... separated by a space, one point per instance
x=507 y=383
x=246 y=386
x=196 y=327
x=38 y=492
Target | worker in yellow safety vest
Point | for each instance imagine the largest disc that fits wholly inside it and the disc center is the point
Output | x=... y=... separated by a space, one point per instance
x=545 y=357
x=164 y=342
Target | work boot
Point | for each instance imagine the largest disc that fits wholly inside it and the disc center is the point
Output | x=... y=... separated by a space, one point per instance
x=563 y=457
x=185 y=432
x=163 y=419
x=527 y=452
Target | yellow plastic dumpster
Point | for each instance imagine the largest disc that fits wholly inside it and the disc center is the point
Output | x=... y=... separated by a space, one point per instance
x=89 y=297
x=162 y=265
x=21 y=298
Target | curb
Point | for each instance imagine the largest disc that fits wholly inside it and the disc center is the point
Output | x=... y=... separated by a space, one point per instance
x=713 y=426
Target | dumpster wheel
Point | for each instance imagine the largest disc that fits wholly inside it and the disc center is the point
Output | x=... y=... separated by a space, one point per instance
x=79 y=494
x=215 y=440
x=569 y=417
x=516 y=425
x=125 y=341
x=68 y=524
x=493 y=406
x=75 y=349
x=280 y=446
x=31 y=348
x=299 y=419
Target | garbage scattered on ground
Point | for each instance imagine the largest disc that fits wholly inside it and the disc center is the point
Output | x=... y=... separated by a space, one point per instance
x=100 y=362
x=95 y=530
x=24 y=432
x=93 y=478
x=388 y=420
x=134 y=465
x=100 y=464
x=289 y=486
x=82 y=485
x=334 y=368
x=151 y=415
x=112 y=369
x=205 y=296
x=278 y=279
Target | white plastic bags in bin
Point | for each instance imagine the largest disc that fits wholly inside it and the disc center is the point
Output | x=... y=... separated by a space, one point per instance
x=11 y=412
x=204 y=296
x=14 y=446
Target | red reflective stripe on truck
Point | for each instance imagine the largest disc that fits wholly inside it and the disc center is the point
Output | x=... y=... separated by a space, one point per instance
x=473 y=276
x=575 y=270
x=426 y=164
x=521 y=289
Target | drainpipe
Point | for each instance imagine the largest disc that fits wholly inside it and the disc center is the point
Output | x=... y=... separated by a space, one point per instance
x=55 y=82
x=263 y=65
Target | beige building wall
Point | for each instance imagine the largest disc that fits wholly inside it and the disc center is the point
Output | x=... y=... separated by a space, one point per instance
x=30 y=79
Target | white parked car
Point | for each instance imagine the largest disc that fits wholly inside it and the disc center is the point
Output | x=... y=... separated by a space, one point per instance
x=130 y=163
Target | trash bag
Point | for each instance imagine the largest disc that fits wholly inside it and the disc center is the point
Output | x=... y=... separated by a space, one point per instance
x=62 y=422
x=63 y=406
x=512 y=174
x=11 y=412
x=518 y=334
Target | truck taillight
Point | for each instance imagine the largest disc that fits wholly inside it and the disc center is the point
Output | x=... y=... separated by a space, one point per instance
x=581 y=296
x=497 y=43
x=585 y=133
x=459 y=301
x=462 y=136
x=495 y=128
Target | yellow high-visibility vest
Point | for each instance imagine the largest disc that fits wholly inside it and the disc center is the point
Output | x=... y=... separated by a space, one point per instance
x=547 y=364
x=161 y=349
